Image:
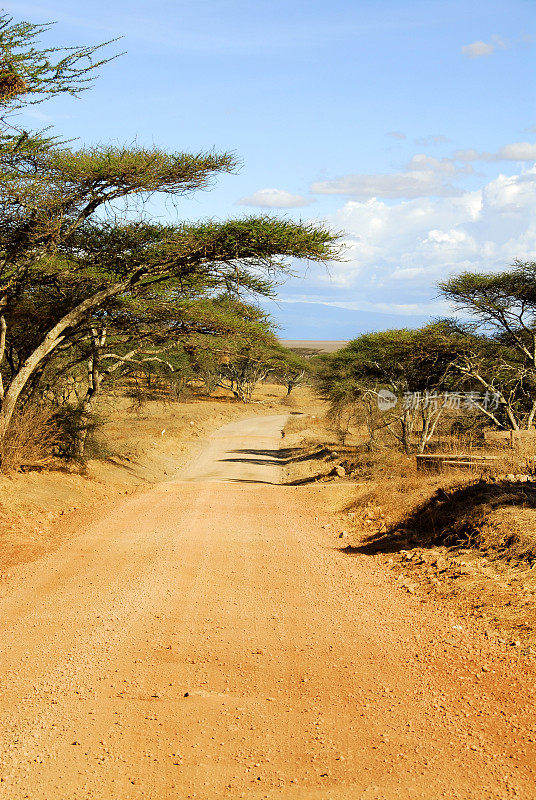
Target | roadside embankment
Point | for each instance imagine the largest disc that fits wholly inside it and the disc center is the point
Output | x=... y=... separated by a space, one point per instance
x=466 y=540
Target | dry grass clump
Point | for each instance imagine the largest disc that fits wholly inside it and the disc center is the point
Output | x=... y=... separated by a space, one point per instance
x=496 y=518
x=289 y=401
x=517 y=460
x=510 y=530
x=307 y=429
x=30 y=440
x=393 y=496
x=396 y=506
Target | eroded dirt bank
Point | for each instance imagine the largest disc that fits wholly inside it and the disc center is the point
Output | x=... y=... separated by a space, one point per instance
x=208 y=639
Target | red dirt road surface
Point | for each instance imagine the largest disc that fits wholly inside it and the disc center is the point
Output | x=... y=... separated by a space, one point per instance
x=209 y=639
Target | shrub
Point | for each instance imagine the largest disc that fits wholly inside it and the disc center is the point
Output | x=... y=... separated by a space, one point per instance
x=31 y=439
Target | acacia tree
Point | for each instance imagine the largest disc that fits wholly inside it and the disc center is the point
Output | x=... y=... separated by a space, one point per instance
x=229 y=326
x=103 y=261
x=412 y=365
x=30 y=74
x=59 y=232
x=498 y=350
x=247 y=363
x=175 y=339
x=291 y=370
x=163 y=333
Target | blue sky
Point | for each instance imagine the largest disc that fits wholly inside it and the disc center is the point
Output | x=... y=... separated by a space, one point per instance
x=408 y=126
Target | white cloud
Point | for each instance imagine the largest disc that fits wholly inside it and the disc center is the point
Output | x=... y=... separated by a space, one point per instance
x=413 y=183
x=396 y=135
x=425 y=176
x=406 y=231
x=426 y=141
x=397 y=251
x=470 y=155
x=275 y=198
x=516 y=151
x=441 y=166
x=480 y=49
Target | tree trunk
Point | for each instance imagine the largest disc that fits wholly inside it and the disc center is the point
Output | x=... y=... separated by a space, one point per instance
x=52 y=340
x=428 y=429
x=511 y=417
x=94 y=381
x=3 y=331
x=406 y=433
x=530 y=418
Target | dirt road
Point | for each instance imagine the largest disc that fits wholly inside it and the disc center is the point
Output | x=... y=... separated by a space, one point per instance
x=209 y=639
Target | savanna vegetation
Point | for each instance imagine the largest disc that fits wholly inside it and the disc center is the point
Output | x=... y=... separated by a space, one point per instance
x=93 y=293
x=100 y=303
x=413 y=388
x=461 y=391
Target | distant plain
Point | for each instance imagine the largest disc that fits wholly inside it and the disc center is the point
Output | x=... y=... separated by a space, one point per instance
x=324 y=346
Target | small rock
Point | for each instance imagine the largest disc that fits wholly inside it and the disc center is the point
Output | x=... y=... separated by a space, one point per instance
x=341 y=472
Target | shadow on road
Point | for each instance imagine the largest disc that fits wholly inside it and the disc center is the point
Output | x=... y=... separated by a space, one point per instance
x=277 y=457
x=281 y=456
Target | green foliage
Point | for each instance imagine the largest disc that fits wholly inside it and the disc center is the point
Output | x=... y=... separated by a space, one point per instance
x=30 y=73
x=399 y=360
x=504 y=300
x=74 y=426
x=291 y=369
x=85 y=284
x=500 y=344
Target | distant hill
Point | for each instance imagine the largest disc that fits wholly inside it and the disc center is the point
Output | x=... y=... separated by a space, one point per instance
x=322 y=323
